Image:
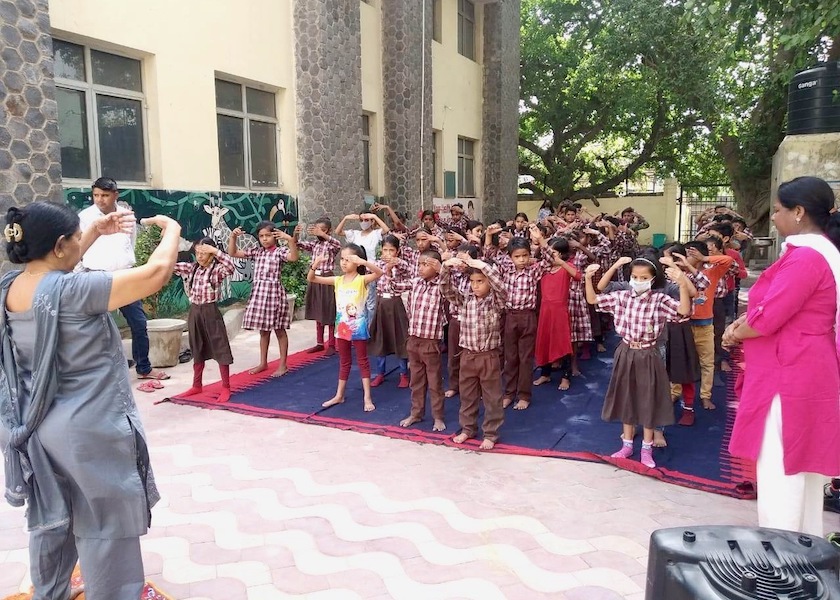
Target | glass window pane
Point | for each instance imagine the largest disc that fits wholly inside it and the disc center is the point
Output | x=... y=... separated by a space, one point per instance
x=469 y=40
x=73 y=133
x=260 y=103
x=121 y=148
x=469 y=147
x=228 y=95
x=460 y=176
x=366 y=159
x=263 y=154
x=469 y=10
x=365 y=125
x=469 y=177
x=231 y=151
x=116 y=71
x=69 y=60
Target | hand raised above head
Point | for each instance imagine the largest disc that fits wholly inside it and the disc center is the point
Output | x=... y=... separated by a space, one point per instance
x=119 y=221
x=236 y=232
x=623 y=260
x=591 y=270
x=454 y=262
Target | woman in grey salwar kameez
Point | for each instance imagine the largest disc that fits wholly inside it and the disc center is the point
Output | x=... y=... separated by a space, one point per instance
x=75 y=450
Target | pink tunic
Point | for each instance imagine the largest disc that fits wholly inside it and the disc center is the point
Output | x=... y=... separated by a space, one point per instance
x=793 y=305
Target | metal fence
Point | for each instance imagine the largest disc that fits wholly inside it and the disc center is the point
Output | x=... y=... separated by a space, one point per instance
x=692 y=203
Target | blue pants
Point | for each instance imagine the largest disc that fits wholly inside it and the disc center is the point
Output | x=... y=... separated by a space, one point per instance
x=380 y=365
x=136 y=318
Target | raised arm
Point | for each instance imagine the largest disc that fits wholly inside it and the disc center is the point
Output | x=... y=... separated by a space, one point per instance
x=232 y=248
x=591 y=296
x=340 y=229
x=120 y=221
x=607 y=277
x=130 y=285
x=447 y=287
x=294 y=254
x=311 y=277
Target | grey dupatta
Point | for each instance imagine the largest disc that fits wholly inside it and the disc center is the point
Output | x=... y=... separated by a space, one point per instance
x=29 y=475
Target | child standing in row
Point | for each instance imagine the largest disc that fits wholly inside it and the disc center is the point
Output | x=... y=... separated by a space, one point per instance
x=320 y=299
x=639 y=391
x=481 y=307
x=554 y=335
x=521 y=278
x=389 y=326
x=207 y=333
x=425 y=331
x=351 y=321
x=460 y=281
x=268 y=306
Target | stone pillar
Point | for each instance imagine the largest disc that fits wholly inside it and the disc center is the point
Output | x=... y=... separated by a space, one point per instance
x=407 y=103
x=328 y=66
x=30 y=153
x=500 y=130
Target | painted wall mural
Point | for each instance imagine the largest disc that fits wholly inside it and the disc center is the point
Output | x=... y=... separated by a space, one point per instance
x=206 y=214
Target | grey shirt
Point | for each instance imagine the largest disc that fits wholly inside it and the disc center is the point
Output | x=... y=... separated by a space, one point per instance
x=92 y=434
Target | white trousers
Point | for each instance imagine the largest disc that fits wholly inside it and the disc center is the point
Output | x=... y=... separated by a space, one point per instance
x=791 y=502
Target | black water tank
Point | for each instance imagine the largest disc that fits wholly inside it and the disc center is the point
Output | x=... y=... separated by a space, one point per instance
x=814 y=100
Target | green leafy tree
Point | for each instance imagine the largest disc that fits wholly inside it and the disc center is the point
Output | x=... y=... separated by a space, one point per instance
x=605 y=91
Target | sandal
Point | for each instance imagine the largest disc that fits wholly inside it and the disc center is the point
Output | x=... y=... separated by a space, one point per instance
x=155 y=375
x=150 y=386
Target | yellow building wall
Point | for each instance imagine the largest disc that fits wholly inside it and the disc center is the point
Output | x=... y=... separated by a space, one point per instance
x=661 y=211
x=456 y=93
x=183 y=46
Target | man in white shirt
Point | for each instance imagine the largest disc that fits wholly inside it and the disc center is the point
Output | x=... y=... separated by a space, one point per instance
x=113 y=253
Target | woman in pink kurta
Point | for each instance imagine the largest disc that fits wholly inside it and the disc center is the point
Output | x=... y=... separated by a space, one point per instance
x=789 y=413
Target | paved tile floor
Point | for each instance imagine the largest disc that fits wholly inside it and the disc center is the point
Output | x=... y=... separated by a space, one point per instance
x=264 y=509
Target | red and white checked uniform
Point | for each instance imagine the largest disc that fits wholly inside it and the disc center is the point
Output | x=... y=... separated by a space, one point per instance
x=481 y=318
x=201 y=284
x=425 y=307
x=639 y=319
x=268 y=308
x=461 y=282
x=385 y=284
x=522 y=285
x=327 y=249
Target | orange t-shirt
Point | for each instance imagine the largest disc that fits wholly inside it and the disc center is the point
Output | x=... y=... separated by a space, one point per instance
x=714 y=268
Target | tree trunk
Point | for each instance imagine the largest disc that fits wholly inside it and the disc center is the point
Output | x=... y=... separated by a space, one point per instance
x=752 y=195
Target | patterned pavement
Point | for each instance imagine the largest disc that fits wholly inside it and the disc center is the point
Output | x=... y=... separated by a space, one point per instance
x=265 y=509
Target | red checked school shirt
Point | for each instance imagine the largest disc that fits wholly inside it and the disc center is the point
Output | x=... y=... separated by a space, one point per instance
x=481 y=318
x=202 y=284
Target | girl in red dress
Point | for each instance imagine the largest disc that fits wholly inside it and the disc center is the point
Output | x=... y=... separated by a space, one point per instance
x=554 y=329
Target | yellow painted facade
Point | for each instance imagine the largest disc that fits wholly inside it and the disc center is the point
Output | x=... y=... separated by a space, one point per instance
x=185 y=45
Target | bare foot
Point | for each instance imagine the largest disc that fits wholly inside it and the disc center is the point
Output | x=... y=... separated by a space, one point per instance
x=258 y=369
x=450 y=394
x=659 y=439
x=193 y=391
x=521 y=404
x=708 y=405
x=541 y=380
x=439 y=425
x=601 y=348
x=333 y=401
x=565 y=384
x=725 y=366
x=487 y=445
x=576 y=372
x=506 y=402
x=460 y=438
x=409 y=421
x=369 y=407
x=282 y=370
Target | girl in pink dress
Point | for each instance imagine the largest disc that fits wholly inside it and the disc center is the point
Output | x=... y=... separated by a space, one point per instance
x=554 y=337
x=789 y=412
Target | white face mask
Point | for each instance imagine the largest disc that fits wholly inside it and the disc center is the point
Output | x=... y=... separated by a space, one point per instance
x=365 y=225
x=640 y=287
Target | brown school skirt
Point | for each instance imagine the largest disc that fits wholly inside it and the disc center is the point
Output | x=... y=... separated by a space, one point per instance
x=389 y=330
x=639 y=392
x=320 y=303
x=207 y=333
x=682 y=363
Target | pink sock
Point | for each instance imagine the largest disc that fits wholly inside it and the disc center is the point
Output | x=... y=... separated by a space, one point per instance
x=647 y=455
x=626 y=449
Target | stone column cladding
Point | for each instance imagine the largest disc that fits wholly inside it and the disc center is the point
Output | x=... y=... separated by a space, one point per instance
x=30 y=154
x=500 y=129
x=328 y=90
x=404 y=110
